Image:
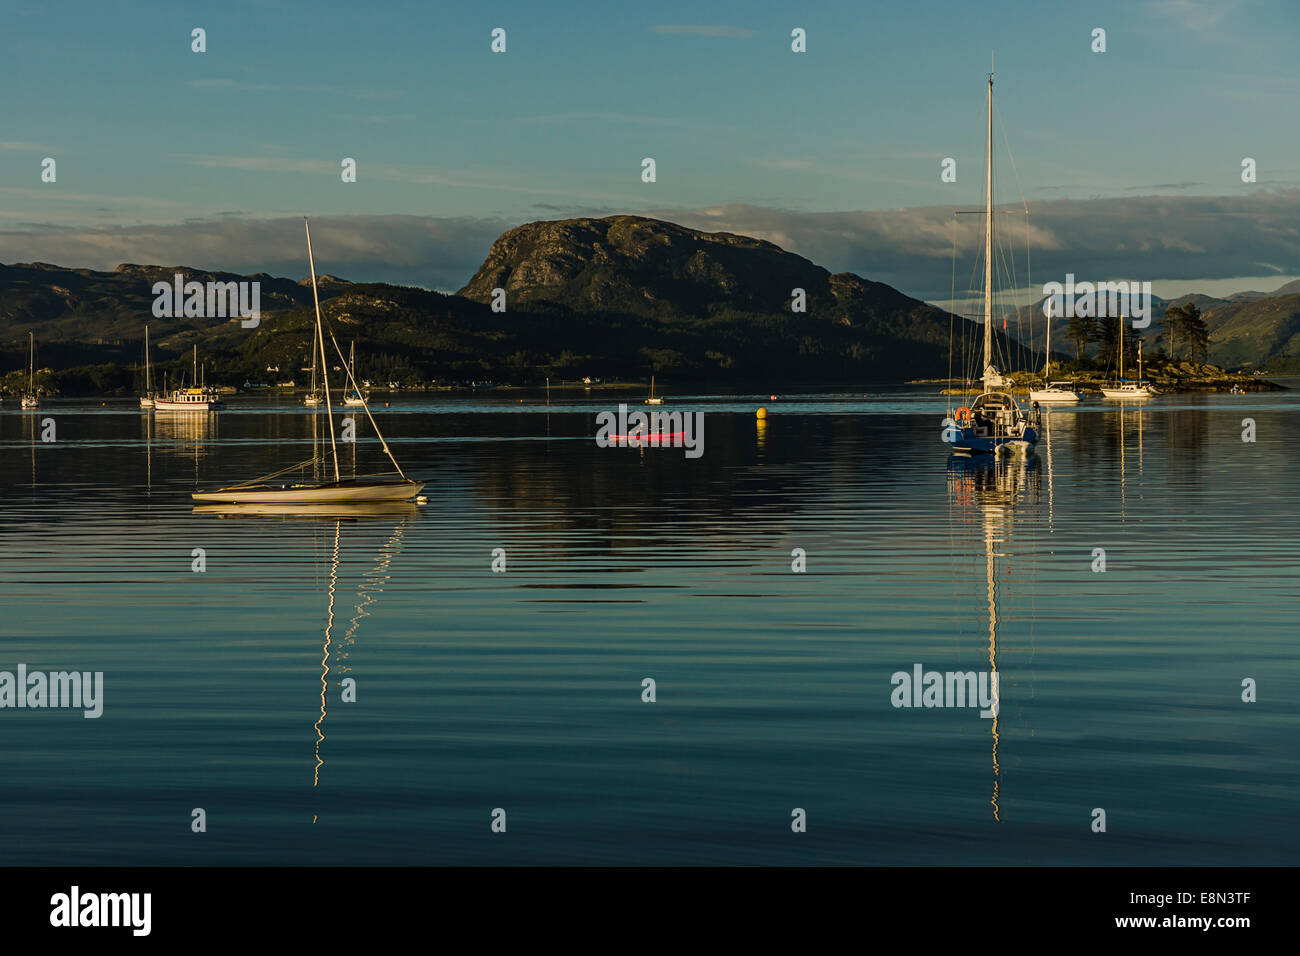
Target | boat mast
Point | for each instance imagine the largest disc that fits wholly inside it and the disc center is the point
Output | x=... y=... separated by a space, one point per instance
x=196 y=364
x=1120 y=381
x=1047 y=365
x=988 y=241
x=148 y=388
x=31 y=363
x=320 y=339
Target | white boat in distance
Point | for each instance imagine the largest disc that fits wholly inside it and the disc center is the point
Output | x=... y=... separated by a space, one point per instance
x=1056 y=393
x=341 y=490
x=1125 y=389
x=30 y=399
x=148 y=398
x=652 y=400
x=196 y=398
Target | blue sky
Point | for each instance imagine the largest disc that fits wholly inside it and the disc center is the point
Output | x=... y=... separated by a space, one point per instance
x=162 y=151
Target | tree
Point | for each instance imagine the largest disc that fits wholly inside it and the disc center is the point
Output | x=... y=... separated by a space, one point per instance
x=1197 y=335
x=1169 y=329
x=1081 y=330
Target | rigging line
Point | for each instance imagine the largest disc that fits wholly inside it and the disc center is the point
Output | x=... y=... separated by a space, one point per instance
x=366 y=408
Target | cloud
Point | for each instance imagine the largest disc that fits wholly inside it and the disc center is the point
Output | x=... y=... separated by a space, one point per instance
x=406 y=250
x=702 y=31
x=1136 y=237
x=1198 y=16
x=1169 y=237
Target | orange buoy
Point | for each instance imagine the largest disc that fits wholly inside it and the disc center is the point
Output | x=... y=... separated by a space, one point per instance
x=963 y=414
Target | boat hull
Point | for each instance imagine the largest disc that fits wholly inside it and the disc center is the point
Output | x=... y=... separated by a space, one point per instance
x=1125 y=393
x=1055 y=397
x=344 y=492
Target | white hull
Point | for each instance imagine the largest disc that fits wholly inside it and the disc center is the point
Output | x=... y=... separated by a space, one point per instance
x=164 y=405
x=146 y=403
x=1053 y=396
x=31 y=403
x=1127 y=393
x=354 y=402
x=344 y=492
x=361 y=509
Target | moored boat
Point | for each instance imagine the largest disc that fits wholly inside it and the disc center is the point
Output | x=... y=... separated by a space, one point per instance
x=339 y=491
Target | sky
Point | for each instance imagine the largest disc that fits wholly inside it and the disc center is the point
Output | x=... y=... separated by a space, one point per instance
x=1129 y=160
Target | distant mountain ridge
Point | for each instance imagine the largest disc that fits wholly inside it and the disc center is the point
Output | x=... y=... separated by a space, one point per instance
x=620 y=297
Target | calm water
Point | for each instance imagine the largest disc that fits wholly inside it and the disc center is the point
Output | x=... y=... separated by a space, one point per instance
x=522 y=690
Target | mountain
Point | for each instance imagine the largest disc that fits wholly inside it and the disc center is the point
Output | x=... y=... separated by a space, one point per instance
x=703 y=305
x=614 y=298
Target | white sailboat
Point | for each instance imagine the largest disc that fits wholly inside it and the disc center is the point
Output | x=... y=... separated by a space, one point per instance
x=652 y=400
x=314 y=397
x=1055 y=393
x=197 y=398
x=339 y=491
x=1123 y=389
x=30 y=399
x=147 y=399
x=354 y=398
x=994 y=422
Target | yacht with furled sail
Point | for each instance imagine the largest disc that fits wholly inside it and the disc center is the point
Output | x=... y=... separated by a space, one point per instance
x=310 y=490
x=1123 y=389
x=353 y=398
x=1054 y=393
x=147 y=399
x=993 y=422
x=30 y=398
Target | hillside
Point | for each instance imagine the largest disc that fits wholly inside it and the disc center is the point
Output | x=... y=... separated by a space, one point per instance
x=622 y=297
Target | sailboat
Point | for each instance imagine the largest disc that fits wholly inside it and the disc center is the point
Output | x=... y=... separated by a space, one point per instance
x=339 y=491
x=1123 y=389
x=994 y=422
x=197 y=398
x=30 y=400
x=1058 y=393
x=314 y=396
x=354 y=397
x=652 y=400
x=147 y=399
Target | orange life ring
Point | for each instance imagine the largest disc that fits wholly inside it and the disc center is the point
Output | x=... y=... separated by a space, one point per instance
x=963 y=414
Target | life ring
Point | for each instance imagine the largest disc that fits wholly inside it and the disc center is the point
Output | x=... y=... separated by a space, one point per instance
x=963 y=414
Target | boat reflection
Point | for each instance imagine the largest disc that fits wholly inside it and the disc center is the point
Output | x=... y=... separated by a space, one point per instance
x=372 y=582
x=990 y=488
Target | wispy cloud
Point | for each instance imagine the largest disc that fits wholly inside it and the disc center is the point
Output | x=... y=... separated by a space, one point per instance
x=702 y=31
x=242 y=86
x=409 y=175
x=18 y=146
x=628 y=118
x=1199 y=16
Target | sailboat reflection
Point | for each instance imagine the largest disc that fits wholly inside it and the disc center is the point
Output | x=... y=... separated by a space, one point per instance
x=372 y=582
x=991 y=488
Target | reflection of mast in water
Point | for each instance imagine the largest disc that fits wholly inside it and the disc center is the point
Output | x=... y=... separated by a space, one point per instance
x=990 y=576
x=993 y=486
x=372 y=584
x=325 y=651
